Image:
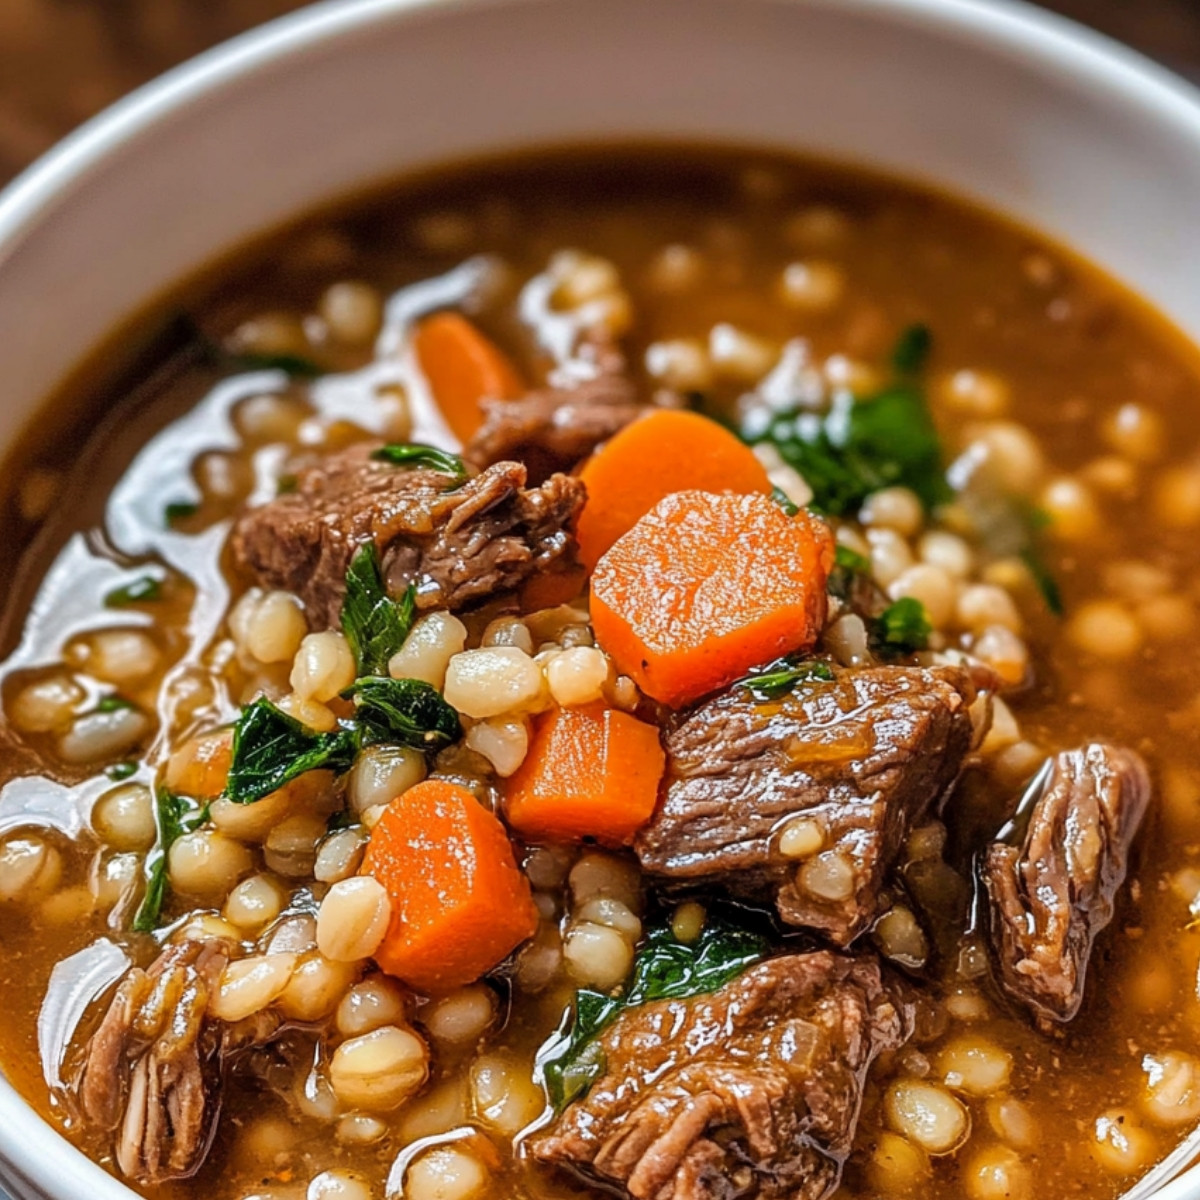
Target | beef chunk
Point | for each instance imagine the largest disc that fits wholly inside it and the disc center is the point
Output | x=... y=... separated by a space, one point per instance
x=151 y=1069
x=459 y=545
x=861 y=759
x=752 y=1091
x=552 y=429
x=1052 y=888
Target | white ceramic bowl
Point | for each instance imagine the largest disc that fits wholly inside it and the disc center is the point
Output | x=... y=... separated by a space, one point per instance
x=1028 y=113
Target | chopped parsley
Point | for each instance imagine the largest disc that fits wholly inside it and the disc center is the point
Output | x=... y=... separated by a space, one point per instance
x=122 y=770
x=902 y=628
x=415 y=455
x=783 y=677
x=408 y=711
x=271 y=748
x=138 y=591
x=664 y=969
x=375 y=625
x=175 y=816
x=113 y=703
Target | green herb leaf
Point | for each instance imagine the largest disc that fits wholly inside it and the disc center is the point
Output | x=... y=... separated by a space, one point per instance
x=408 y=711
x=1010 y=527
x=912 y=348
x=578 y=1059
x=121 y=770
x=667 y=969
x=850 y=571
x=783 y=677
x=179 y=510
x=784 y=501
x=114 y=703
x=138 y=591
x=902 y=628
x=1046 y=583
x=415 y=455
x=295 y=365
x=664 y=969
x=851 y=560
x=286 y=484
x=271 y=748
x=375 y=625
x=862 y=446
x=176 y=816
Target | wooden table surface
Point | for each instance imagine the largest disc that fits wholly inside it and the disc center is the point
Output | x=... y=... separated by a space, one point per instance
x=63 y=60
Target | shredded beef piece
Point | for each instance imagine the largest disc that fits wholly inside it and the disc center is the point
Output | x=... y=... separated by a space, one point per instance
x=752 y=1091
x=555 y=428
x=152 y=1070
x=1052 y=892
x=865 y=757
x=459 y=545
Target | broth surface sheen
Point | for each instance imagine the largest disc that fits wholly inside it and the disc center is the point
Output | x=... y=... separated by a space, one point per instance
x=727 y=279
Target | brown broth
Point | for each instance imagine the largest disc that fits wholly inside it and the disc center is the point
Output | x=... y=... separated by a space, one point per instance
x=1069 y=347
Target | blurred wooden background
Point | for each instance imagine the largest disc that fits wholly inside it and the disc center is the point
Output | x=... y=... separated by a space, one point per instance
x=63 y=60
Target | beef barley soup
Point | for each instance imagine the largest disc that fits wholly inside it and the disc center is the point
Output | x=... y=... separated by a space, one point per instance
x=664 y=674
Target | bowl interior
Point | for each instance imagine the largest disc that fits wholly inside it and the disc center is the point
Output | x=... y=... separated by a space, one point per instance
x=1051 y=125
x=1059 y=130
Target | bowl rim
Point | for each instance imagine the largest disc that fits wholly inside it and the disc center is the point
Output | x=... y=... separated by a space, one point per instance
x=35 y=1156
x=1018 y=28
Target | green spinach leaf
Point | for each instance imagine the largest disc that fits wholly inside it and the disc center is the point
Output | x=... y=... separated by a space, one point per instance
x=664 y=969
x=902 y=628
x=667 y=969
x=911 y=352
x=415 y=455
x=1047 y=585
x=175 y=817
x=137 y=591
x=850 y=569
x=271 y=748
x=179 y=510
x=408 y=711
x=375 y=625
x=784 y=501
x=1010 y=527
x=783 y=677
x=851 y=560
x=864 y=445
x=295 y=365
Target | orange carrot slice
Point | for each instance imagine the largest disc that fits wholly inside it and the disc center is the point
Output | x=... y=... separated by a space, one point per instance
x=590 y=772
x=460 y=904
x=462 y=367
x=665 y=452
x=706 y=586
